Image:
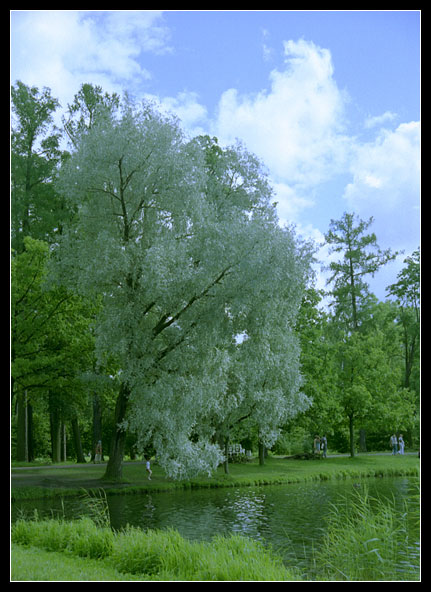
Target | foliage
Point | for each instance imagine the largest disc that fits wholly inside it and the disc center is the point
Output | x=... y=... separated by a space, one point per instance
x=51 y=341
x=203 y=329
x=37 y=210
x=368 y=539
x=159 y=555
x=366 y=377
x=360 y=256
x=81 y=537
x=52 y=345
x=181 y=240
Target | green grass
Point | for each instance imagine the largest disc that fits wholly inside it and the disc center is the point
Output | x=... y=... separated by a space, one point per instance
x=275 y=471
x=369 y=539
x=35 y=564
x=366 y=539
x=134 y=554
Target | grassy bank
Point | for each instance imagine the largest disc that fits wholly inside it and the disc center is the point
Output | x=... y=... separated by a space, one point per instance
x=40 y=482
x=366 y=539
x=134 y=555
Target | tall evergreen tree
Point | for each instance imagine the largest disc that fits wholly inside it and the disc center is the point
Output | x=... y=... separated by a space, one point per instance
x=360 y=257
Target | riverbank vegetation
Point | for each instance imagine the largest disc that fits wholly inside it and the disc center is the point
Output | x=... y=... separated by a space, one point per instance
x=70 y=480
x=366 y=539
x=151 y=555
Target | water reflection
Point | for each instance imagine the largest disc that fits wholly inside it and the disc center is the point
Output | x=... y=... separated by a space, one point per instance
x=291 y=518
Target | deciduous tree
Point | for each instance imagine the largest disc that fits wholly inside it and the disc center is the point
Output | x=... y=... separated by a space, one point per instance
x=182 y=242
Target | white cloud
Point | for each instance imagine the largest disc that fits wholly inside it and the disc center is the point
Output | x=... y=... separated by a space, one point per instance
x=296 y=126
x=386 y=184
x=379 y=120
x=186 y=106
x=290 y=204
x=61 y=49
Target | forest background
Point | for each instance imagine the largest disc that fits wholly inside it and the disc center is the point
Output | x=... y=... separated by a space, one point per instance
x=157 y=304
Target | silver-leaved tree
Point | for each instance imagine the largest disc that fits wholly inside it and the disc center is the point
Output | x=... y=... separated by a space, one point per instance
x=179 y=239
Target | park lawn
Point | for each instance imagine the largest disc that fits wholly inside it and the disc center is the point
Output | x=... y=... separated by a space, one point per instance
x=278 y=470
x=35 y=564
x=71 y=479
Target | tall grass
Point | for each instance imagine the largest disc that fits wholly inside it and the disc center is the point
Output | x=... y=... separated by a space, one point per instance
x=369 y=539
x=82 y=538
x=366 y=539
x=97 y=506
x=155 y=555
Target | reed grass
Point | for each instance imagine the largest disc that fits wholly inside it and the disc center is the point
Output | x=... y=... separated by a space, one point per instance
x=153 y=555
x=369 y=539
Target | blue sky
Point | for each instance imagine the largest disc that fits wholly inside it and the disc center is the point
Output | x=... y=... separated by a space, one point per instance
x=329 y=100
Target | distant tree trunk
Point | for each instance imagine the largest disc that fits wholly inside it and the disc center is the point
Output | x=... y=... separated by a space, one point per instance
x=352 y=442
x=226 y=454
x=30 y=440
x=97 y=424
x=55 y=424
x=22 y=418
x=114 y=468
x=64 y=442
x=362 y=440
x=77 y=440
x=24 y=443
x=261 y=453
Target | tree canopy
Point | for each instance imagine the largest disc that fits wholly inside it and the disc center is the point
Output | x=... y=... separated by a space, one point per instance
x=151 y=277
x=182 y=241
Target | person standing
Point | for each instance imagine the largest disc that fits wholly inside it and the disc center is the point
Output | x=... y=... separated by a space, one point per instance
x=98 y=452
x=148 y=469
x=317 y=445
x=394 y=443
x=400 y=444
x=324 y=445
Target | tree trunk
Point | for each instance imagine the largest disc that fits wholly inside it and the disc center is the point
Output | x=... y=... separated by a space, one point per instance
x=97 y=425
x=114 y=468
x=362 y=440
x=226 y=451
x=352 y=443
x=77 y=441
x=22 y=428
x=261 y=453
x=30 y=439
x=64 y=446
x=55 y=424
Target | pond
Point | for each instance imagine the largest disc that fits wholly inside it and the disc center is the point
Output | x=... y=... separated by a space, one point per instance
x=289 y=517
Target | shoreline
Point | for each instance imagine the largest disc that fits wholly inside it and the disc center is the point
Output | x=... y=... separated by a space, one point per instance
x=69 y=480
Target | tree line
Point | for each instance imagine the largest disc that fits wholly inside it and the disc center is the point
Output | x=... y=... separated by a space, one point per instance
x=158 y=305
